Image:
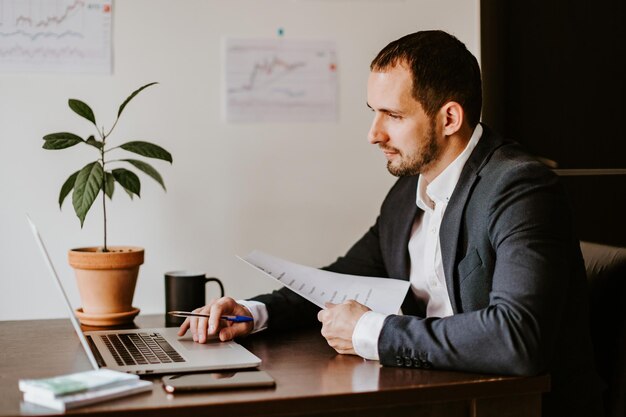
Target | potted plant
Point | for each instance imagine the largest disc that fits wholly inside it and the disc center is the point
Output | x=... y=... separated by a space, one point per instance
x=106 y=275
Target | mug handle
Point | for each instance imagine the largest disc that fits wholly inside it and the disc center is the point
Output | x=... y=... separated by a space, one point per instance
x=207 y=279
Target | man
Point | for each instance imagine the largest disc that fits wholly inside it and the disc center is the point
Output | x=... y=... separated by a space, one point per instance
x=482 y=231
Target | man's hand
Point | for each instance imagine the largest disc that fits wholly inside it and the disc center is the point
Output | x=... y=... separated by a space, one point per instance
x=338 y=323
x=226 y=330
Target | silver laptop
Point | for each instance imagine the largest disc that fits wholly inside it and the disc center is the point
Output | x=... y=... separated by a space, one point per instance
x=151 y=351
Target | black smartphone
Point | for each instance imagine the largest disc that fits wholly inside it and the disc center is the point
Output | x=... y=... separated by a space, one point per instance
x=217 y=380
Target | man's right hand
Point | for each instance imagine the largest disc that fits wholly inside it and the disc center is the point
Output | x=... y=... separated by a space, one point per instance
x=203 y=328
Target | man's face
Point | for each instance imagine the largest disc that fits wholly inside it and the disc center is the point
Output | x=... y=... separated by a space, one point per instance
x=401 y=128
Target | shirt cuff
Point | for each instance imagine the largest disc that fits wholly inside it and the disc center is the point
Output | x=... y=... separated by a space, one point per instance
x=366 y=333
x=259 y=314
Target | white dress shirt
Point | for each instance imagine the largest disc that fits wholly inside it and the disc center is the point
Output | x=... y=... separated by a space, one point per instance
x=259 y=314
x=428 y=282
x=427 y=278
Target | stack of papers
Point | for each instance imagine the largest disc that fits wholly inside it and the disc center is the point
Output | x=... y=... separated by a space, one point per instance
x=74 y=390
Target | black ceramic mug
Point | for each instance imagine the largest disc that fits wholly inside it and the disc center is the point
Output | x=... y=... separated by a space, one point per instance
x=185 y=291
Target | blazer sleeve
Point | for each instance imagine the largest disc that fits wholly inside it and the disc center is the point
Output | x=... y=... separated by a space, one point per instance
x=529 y=230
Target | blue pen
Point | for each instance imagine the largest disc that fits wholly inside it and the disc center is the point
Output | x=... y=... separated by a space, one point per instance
x=234 y=319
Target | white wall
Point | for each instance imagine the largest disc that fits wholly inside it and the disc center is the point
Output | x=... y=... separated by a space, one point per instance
x=305 y=192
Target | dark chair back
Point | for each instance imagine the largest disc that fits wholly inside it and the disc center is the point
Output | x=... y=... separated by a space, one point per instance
x=606 y=274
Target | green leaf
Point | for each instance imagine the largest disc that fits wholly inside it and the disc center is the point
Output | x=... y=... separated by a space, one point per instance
x=82 y=109
x=86 y=189
x=109 y=184
x=130 y=194
x=91 y=140
x=127 y=179
x=68 y=185
x=148 y=150
x=131 y=97
x=61 y=140
x=148 y=169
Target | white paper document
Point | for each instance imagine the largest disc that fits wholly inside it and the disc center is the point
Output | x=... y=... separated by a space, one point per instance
x=383 y=295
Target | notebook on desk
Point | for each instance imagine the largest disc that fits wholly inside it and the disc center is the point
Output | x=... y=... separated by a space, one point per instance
x=150 y=351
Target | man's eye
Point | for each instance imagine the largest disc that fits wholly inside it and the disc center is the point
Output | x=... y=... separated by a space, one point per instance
x=394 y=116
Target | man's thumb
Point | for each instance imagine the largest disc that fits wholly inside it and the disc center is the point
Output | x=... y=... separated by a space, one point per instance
x=230 y=332
x=227 y=333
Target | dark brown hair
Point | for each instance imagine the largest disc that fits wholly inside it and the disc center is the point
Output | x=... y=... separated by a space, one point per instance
x=443 y=70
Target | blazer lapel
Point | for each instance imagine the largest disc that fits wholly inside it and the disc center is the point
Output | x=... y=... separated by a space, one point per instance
x=410 y=306
x=400 y=233
x=396 y=234
x=451 y=223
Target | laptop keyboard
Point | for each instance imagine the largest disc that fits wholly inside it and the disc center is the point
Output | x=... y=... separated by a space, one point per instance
x=140 y=349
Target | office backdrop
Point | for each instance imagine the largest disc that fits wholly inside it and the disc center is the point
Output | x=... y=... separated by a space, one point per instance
x=302 y=191
x=554 y=80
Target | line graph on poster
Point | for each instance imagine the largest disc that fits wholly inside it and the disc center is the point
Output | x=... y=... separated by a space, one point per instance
x=279 y=80
x=55 y=36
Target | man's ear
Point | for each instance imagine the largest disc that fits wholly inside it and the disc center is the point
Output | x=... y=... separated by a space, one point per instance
x=452 y=117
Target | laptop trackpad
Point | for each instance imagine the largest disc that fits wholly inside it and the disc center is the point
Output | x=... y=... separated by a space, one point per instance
x=188 y=344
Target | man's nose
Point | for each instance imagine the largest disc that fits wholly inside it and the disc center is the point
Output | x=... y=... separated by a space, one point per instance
x=377 y=132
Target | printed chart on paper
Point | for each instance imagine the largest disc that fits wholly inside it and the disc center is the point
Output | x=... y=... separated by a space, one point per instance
x=383 y=295
x=280 y=80
x=55 y=36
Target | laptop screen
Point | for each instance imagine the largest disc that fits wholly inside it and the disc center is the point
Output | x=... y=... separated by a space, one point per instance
x=53 y=272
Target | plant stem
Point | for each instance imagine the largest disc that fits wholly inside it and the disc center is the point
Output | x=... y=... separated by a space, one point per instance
x=112 y=127
x=104 y=194
x=104 y=210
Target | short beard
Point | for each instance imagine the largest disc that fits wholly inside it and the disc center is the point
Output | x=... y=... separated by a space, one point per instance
x=415 y=164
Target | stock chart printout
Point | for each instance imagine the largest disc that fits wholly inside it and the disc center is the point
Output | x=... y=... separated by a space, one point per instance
x=60 y=36
x=279 y=80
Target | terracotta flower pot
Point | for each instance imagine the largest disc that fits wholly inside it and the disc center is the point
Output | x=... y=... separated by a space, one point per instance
x=106 y=283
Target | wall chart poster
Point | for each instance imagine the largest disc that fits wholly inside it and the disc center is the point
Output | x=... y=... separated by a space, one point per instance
x=280 y=80
x=72 y=36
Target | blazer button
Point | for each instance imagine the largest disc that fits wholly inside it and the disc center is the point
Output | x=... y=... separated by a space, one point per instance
x=399 y=361
x=427 y=365
x=417 y=363
x=407 y=361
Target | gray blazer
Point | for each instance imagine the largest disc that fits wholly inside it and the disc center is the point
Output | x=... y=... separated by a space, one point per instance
x=513 y=270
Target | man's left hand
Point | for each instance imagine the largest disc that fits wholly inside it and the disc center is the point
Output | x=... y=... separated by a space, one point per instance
x=338 y=323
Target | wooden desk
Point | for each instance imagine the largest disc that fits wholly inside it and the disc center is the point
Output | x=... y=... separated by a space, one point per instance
x=311 y=380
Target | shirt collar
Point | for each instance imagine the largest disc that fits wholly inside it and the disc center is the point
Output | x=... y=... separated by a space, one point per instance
x=440 y=189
